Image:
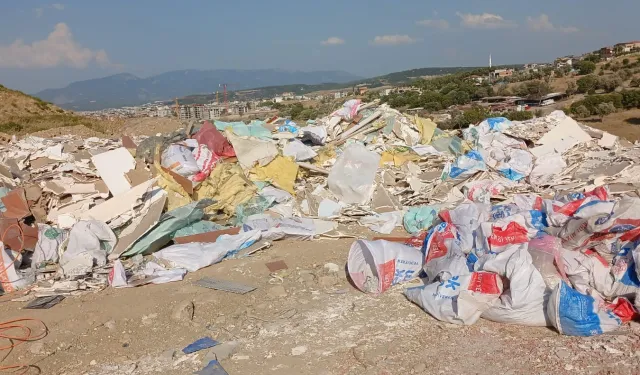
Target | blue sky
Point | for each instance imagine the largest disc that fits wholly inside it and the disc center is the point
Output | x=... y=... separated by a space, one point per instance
x=50 y=44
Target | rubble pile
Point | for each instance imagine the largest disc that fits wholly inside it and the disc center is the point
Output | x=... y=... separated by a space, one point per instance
x=516 y=222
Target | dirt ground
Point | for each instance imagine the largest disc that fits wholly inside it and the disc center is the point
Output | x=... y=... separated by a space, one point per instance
x=624 y=124
x=149 y=125
x=303 y=320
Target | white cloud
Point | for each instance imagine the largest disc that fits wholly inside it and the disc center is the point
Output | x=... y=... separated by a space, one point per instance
x=333 y=41
x=484 y=21
x=390 y=40
x=435 y=23
x=40 y=11
x=542 y=23
x=58 y=49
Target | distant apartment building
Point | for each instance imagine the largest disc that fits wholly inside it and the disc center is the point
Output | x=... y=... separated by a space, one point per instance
x=340 y=94
x=163 y=111
x=185 y=113
x=502 y=73
x=626 y=47
x=278 y=99
x=212 y=111
x=216 y=110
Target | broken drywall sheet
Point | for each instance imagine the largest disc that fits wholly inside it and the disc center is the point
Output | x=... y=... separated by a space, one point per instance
x=607 y=141
x=140 y=225
x=118 y=205
x=112 y=167
x=561 y=138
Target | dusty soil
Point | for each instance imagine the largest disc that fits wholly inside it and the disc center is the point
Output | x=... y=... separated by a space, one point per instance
x=149 y=125
x=79 y=130
x=304 y=320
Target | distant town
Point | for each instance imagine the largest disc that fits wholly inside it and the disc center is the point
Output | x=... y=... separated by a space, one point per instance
x=218 y=109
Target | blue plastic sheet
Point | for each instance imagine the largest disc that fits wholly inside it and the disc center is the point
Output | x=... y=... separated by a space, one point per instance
x=213 y=368
x=200 y=344
x=467 y=165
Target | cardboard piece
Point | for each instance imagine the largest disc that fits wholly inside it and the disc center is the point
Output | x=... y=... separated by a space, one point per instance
x=14 y=232
x=276 y=266
x=41 y=162
x=32 y=193
x=112 y=167
x=139 y=174
x=206 y=237
x=16 y=204
x=127 y=142
x=186 y=184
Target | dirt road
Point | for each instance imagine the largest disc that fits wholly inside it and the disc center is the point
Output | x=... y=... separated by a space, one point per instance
x=304 y=320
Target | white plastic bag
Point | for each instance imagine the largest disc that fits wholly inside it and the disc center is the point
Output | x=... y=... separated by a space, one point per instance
x=49 y=241
x=298 y=150
x=349 y=109
x=193 y=256
x=546 y=256
x=374 y=266
x=497 y=124
x=591 y=274
x=465 y=166
x=442 y=252
x=458 y=299
x=384 y=222
x=352 y=177
x=91 y=238
x=466 y=217
x=205 y=160
x=118 y=275
x=524 y=301
x=10 y=280
x=576 y=314
x=161 y=275
x=179 y=159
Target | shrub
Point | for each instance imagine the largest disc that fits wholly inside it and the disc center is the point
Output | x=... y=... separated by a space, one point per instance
x=581 y=111
x=11 y=127
x=518 y=116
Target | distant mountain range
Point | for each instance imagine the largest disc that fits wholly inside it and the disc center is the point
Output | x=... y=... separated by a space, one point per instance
x=126 y=89
x=404 y=77
x=199 y=86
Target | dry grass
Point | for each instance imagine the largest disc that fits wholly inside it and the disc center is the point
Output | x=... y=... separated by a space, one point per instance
x=21 y=114
x=625 y=124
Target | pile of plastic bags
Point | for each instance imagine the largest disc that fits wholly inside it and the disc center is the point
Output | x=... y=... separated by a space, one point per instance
x=570 y=262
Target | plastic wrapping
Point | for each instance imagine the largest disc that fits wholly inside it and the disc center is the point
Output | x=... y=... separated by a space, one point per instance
x=352 y=177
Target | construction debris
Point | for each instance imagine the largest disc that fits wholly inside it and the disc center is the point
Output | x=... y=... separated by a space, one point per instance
x=549 y=205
